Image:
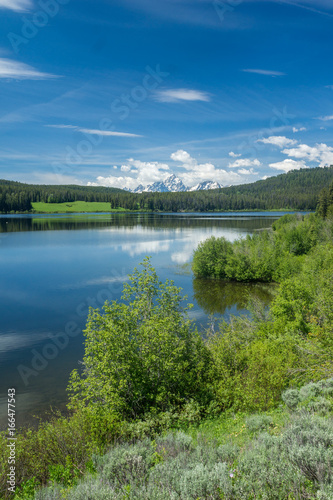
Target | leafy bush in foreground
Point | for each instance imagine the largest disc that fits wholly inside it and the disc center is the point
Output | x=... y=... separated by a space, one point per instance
x=142 y=354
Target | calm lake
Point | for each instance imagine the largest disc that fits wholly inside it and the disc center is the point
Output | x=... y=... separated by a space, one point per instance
x=54 y=267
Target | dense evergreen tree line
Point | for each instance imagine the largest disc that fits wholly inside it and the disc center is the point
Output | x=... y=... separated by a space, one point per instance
x=18 y=197
x=325 y=202
x=298 y=190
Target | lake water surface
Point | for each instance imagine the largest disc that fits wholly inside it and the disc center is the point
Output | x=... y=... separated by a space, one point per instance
x=53 y=267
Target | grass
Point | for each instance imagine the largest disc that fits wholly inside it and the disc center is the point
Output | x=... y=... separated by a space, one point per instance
x=231 y=428
x=73 y=207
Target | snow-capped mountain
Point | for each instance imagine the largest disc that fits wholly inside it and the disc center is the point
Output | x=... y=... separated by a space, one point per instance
x=173 y=184
x=138 y=189
x=205 y=185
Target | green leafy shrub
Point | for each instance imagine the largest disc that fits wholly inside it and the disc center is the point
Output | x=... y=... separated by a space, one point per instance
x=211 y=257
x=266 y=256
x=249 y=370
x=59 y=450
x=143 y=353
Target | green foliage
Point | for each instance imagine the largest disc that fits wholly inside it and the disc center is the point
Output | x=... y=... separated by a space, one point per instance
x=314 y=397
x=27 y=490
x=257 y=423
x=60 y=450
x=64 y=474
x=211 y=257
x=325 y=202
x=143 y=353
x=266 y=256
x=251 y=364
x=291 y=398
x=288 y=462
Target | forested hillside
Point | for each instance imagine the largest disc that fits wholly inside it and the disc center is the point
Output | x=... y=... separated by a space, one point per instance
x=297 y=190
x=18 y=197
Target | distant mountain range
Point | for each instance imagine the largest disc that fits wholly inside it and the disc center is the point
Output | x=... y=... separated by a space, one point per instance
x=173 y=184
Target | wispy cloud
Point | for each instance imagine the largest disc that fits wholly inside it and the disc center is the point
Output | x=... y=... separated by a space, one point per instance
x=325 y=118
x=17 y=5
x=107 y=133
x=302 y=129
x=265 y=72
x=90 y=131
x=312 y=5
x=20 y=71
x=62 y=126
x=234 y=155
x=177 y=95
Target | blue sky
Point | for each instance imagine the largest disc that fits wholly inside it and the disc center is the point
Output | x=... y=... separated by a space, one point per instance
x=123 y=92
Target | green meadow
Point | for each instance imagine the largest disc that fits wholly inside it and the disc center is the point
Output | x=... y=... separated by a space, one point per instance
x=73 y=207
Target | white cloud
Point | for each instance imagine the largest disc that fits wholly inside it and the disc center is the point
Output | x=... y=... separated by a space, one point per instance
x=146 y=247
x=20 y=71
x=62 y=126
x=287 y=165
x=177 y=95
x=51 y=178
x=144 y=172
x=191 y=173
x=198 y=172
x=17 y=5
x=264 y=72
x=244 y=171
x=107 y=133
x=245 y=162
x=184 y=158
x=302 y=129
x=103 y=133
x=326 y=118
x=321 y=153
x=234 y=155
x=278 y=140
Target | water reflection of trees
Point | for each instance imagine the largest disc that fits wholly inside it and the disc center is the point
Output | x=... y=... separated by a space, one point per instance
x=149 y=221
x=216 y=296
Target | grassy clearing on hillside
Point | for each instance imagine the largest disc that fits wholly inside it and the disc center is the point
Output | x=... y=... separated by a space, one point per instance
x=75 y=206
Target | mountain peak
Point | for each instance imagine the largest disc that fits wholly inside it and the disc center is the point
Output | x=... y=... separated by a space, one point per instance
x=173 y=184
